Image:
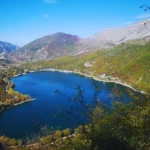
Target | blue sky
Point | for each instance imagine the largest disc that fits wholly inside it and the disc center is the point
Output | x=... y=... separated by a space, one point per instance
x=22 y=21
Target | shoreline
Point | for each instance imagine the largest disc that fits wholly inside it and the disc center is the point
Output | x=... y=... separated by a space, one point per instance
x=93 y=77
x=112 y=79
x=16 y=104
x=31 y=99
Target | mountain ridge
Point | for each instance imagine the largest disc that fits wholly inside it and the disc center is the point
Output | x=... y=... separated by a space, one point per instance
x=115 y=36
x=62 y=44
x=48 y=47
x=5 y=48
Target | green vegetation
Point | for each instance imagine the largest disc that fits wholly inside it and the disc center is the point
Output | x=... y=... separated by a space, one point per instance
x=9 y=97
x=128 y=62
x=125 y=128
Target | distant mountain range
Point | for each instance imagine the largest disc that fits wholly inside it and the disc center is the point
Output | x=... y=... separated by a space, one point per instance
x=62 y=44
x=6 y=48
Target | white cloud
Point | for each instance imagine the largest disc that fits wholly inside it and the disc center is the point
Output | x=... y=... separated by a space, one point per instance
x=50 y=1
x=142 y=16
x=46 y=15
x=127 y=23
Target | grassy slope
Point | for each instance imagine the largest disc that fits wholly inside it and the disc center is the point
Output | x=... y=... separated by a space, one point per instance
x=129 y=62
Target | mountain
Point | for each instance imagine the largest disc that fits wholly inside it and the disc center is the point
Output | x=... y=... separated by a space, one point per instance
x=62 y=44
x=114 y=36
x=48 y=47
x=7 y=47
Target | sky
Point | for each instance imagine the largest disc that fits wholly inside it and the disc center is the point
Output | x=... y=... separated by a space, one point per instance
x=22 y=21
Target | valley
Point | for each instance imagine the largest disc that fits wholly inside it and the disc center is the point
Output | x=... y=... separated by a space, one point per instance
x=122 y=58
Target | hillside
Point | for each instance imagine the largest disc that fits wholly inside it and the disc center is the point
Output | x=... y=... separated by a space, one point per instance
x=114 y=36
x=48 y=47
x=6 y=47
x=129 y=62
x=4 y=63
x=62 y=44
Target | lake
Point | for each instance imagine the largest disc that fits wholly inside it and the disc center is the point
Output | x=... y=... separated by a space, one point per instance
x=56 y=93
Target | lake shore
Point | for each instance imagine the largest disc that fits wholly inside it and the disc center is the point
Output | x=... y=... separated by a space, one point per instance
x=16 y=104
x=29 y=100
x=111 y=80
x=24 y=102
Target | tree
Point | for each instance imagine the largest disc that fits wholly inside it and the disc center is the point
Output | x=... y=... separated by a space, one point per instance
x=58 y=134
x=26 y=71
x=66 y=132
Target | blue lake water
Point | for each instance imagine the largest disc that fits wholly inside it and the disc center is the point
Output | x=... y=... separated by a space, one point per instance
x=27 y=118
